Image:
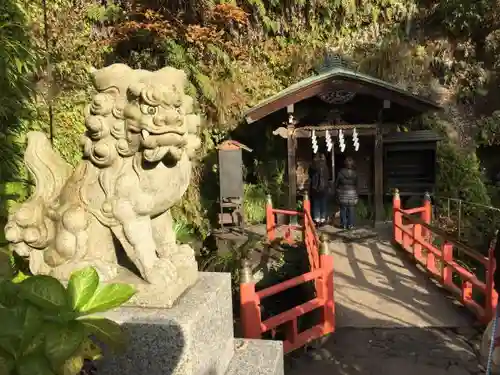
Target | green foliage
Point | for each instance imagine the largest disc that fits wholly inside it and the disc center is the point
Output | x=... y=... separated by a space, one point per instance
x=466 y=16
x=254 y=204
x=459 y=175
x=362 y=210
x=230 y=260
x=271 y=177
x=489 y=130
x=18 y=61
x=184 y=232
x=47 y=328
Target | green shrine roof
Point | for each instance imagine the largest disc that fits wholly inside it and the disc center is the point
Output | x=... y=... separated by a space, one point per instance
x=339 y=77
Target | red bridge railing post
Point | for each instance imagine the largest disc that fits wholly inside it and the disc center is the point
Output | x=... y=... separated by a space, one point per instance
x=417 y=246
x=397 y=218
x=306 y=208
x=270 y=222
x=249 y=304
x=491 y=294
x=447 y=270
x=306 y=204
x=326 y=263
x=427 y=216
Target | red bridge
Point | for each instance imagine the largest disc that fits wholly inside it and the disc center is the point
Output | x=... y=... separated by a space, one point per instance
x=404 y=282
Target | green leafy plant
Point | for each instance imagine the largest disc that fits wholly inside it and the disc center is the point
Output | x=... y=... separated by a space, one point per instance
x=47 y=328
x=184 y=232
x=255 y=204
x=362 y=210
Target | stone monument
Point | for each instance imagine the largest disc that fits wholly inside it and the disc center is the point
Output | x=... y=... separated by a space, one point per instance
x=137 y=152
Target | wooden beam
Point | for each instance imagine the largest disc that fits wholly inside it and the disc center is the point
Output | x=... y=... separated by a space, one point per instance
x=292 y=167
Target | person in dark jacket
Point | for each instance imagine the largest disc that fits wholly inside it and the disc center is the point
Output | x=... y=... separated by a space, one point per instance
x=319 y=175
x=347 y=193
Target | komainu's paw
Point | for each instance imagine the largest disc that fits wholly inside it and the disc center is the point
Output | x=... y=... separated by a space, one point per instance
x=184 y=256
x=167 y=250
x=106 y=271
x=163 y=272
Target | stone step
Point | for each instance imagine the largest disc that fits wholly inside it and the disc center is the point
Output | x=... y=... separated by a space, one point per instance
x=256 y=357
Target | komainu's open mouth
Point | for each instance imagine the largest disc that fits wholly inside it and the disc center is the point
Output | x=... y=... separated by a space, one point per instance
x=157 y=146
x=155 y=154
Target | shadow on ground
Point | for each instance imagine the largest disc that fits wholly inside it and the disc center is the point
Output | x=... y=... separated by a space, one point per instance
x=391 y=319
x=391 y=351
x=382 y=284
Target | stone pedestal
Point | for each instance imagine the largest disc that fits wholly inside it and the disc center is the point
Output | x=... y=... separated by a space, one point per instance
x=194 y=337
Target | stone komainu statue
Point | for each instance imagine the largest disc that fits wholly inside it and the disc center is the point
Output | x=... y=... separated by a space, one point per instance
x=140 y=139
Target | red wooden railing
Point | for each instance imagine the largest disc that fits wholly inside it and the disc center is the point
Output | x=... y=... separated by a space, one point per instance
x=412 y=231
x=272 y=226
x=321 y=264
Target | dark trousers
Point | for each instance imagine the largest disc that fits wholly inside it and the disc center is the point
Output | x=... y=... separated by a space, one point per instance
x=347 y=215
x=319 y=206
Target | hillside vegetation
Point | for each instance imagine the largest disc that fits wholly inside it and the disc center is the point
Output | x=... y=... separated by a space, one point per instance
x=237 y=53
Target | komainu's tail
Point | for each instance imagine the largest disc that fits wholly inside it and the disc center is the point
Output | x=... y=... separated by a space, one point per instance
x=47 y=167
x=28 y=228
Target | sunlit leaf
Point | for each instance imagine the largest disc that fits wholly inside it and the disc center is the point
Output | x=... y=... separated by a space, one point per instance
x=108 y=297
x=82 y=286
x=72 y=366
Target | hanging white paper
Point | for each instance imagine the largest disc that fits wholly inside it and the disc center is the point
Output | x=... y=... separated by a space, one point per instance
x=355 y=139
x=328 y=140
x=314 y=142
x=341 y=141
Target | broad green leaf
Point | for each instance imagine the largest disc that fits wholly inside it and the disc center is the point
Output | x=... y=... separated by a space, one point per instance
x=89 y=350
x=108 y=297
x=7 y=362
x=36 y=345
x=72 y=366
x=107 y=331
x=82 y=286
x=34 y=365
x=32 y=324
x=11 y=323
x=10 y=344
x=45 y=292
x=5 y=266
x=62 y=341
x=8 y=293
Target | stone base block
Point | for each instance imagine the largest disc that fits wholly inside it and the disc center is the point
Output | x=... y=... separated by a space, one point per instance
x=257 y=357
x=194 y=337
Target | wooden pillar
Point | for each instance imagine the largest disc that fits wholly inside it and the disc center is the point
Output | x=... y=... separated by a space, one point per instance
x=378 y=171
x=292 y=167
